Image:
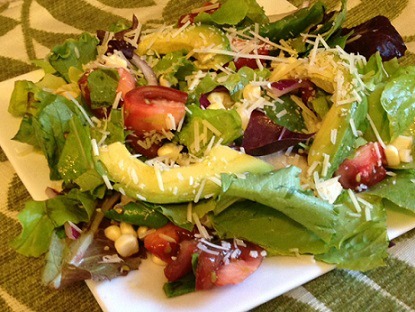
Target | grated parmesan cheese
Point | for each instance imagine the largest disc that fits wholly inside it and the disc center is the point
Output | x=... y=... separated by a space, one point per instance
x=353 y=198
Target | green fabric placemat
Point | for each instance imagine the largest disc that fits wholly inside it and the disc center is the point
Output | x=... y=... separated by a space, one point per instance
x=28 y=29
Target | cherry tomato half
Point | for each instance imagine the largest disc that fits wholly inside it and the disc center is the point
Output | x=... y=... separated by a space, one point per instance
x=151 y=108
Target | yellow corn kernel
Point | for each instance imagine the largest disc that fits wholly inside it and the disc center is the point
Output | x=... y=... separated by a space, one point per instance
x=403 y=142
x=216 y=100
x=127 y=228
x=251 y=92
x=142 y=231
x=157 y=260
x=126 y=245
x=164 y=82
x=113 y=232
x=392 y=155
x=405 y=155
x=170 y=150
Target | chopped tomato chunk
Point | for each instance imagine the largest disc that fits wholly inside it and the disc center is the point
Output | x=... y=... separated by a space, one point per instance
x=364 y=169
x=165 y=241
x=155 y=108
x=182 y=265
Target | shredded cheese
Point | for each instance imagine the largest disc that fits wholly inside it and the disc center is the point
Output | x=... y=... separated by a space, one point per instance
x=375 y=130
x=353 y=198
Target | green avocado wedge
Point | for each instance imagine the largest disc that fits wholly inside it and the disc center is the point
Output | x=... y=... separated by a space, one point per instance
x=179 y=184
x=191 y=38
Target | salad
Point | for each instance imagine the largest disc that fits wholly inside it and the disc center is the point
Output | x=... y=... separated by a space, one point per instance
x=211 y=144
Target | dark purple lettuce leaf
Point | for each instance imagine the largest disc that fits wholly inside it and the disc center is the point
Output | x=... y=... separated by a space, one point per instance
x=262 y=136
x=377 y=34
x=118 y=43
x=301 y=87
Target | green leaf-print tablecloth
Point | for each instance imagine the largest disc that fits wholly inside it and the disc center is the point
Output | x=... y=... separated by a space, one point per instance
x=29 y=28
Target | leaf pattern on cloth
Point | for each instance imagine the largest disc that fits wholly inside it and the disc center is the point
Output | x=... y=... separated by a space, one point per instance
x=29 y=28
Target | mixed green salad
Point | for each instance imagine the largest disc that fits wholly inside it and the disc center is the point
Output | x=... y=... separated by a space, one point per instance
x=210 y=144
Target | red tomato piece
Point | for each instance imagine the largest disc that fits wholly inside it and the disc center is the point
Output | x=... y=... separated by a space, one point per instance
x=364 y=169
x=237 y=270
x=207 y=266
x=251 y=62
x=126 y=82
x=150 y=108
x=182 y=265
x=164 y=242
x=213 y=270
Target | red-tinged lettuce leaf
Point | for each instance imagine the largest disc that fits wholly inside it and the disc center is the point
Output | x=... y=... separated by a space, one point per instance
x=262 y=136
x=377 y=34
x=89 y=257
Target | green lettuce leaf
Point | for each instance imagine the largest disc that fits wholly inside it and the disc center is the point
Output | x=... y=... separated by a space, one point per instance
x=235 y=12
x=398 y=101
x=174 y=67
x=39 y=220
x=294 y=24
x=361 y=240
x=267 y=227
x=73 y=53
x=281 y=190
x=76 y=152
x=138 y=213
x=375 y=75
x=102 y=84
x=399 y=189
x=235 y=83
x=293 y=120
x=185 y=285
x=23 y=99
x=217 y=124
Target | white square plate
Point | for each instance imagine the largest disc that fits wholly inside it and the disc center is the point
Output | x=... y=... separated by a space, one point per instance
x=142 y=290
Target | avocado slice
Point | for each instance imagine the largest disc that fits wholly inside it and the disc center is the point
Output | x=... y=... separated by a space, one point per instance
x=174 y=185
x=337 y=73
x=338 y=119
x=192 y=37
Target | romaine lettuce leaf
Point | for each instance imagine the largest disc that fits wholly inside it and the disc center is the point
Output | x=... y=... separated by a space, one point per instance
x=398 y=101
x=281 y=190
x=102 y=84
x=361 y=240
x=138 y=213
x=399 y=189
x=375 y=74
x=76 y=151
x=267 y=227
